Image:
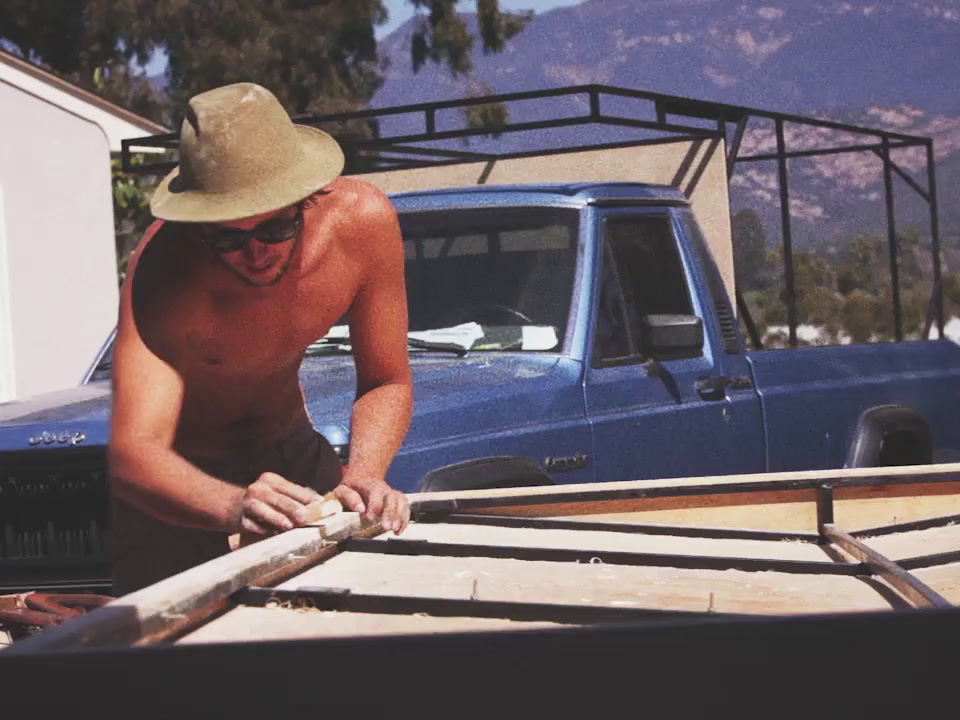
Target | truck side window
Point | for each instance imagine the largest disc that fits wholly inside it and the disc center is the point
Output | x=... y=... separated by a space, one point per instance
x=642 y=275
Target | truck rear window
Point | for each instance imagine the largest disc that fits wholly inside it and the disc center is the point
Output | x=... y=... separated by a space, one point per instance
x=510 y=271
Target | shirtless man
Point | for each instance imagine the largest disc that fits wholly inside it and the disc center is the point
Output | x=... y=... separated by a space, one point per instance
x=259 y=248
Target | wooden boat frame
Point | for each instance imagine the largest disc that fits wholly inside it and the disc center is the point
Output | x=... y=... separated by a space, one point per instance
x=143 y=627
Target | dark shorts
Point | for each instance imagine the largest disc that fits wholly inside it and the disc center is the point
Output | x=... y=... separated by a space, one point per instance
x=145 y=550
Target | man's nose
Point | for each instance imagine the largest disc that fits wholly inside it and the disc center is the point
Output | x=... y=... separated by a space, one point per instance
x=255 y=252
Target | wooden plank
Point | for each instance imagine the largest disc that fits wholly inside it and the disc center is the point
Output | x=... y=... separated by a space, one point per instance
x=866 y=507
x=798 y=515
x=782 y=510
x=725 y=591
x=245 y=624
x=906 y=584
x=854 y=508
x=769 y=481
x=610 y=541
x=944 y=579
x=704 y=509
x=171 y=605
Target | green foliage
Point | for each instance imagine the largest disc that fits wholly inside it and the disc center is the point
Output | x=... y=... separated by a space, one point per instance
x=749 y=250
x=843 y=287
x=487 y=115
x=442 y=35
x=131 y=211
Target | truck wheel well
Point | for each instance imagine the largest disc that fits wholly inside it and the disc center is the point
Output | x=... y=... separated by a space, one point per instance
x=486 y=473
x=890 y=435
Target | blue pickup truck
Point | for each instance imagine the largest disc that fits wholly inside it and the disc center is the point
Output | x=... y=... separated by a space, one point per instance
x=559 y=334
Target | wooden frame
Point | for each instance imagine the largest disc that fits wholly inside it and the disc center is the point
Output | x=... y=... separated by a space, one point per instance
x=177 y=606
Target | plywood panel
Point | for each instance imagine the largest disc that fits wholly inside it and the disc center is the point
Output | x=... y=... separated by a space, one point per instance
x=866 y=508
x=593 y=584
x=944 y=579
x=876 y=507
x=254 y=623
x=916 y=543
x=660 y=164
x=800 y=516
x=611 y=541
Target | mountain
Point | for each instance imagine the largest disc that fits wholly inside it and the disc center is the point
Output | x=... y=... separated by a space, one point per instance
x=881 y=63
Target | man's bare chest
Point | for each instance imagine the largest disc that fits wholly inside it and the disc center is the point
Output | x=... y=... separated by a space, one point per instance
x=226 y=336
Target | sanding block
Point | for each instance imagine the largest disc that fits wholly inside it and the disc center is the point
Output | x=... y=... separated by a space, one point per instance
x=316 y=511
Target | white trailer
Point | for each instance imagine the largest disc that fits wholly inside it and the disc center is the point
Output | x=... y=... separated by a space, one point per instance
x=58 y=270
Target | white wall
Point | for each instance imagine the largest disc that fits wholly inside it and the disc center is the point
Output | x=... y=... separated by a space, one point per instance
x=118 y=124
x=58 y=280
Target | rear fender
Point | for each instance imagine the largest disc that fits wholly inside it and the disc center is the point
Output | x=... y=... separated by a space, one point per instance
x=890 y=435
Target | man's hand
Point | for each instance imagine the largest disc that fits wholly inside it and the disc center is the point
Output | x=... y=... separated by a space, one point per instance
x=375 y=500
x=272 y=504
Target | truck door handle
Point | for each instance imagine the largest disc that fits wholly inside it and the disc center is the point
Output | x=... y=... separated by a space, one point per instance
x=714 y=388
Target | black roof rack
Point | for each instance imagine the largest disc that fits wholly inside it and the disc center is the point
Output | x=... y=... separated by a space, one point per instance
x=675 y=118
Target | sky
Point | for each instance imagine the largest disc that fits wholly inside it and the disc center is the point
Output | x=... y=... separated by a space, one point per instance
x=400 y=10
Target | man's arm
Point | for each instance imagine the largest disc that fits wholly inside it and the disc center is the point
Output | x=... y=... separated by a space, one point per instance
x=378 y=334
x=146 y=471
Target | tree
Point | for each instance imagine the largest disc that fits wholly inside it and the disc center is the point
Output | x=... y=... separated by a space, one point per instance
x=317 y=56
x=131 y=211
x=859 y=314
x=749 y=250
x=82 y=42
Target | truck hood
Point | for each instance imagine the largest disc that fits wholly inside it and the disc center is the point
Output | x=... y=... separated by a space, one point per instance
x=452 y=397
x=87 y=403
x=458 y=396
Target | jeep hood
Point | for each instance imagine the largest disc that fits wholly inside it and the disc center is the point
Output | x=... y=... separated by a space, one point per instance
x=452 y=397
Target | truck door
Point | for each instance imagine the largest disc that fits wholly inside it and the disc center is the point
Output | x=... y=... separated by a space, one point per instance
x=668 y=416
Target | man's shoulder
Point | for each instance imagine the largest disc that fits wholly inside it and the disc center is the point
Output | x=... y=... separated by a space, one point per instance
x=163 y=246
x=360 y=198
x=366 y=219
x=163 y=271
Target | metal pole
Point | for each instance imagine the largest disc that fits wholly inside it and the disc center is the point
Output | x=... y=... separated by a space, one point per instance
x=787 y=238
x=935 y=235
x=892 y=244
x=594 y=104
x=732 y=154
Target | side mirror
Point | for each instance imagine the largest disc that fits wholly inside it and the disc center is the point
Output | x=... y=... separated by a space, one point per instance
x=668 y=337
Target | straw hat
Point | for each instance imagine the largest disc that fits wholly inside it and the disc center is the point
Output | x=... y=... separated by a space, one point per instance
x=241 y=155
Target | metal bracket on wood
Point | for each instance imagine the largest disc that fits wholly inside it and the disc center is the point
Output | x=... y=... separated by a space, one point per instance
x=824 y=508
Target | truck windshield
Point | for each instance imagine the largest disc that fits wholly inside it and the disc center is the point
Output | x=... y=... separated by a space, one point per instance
x=502 y=278
x=483 y=279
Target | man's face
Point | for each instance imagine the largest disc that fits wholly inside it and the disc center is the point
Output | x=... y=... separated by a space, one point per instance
x=239 y=244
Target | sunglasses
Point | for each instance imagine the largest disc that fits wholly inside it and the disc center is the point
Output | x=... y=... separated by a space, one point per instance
x=225 y=240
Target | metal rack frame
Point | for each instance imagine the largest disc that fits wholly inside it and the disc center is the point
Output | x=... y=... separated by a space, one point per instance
x=406 y=151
